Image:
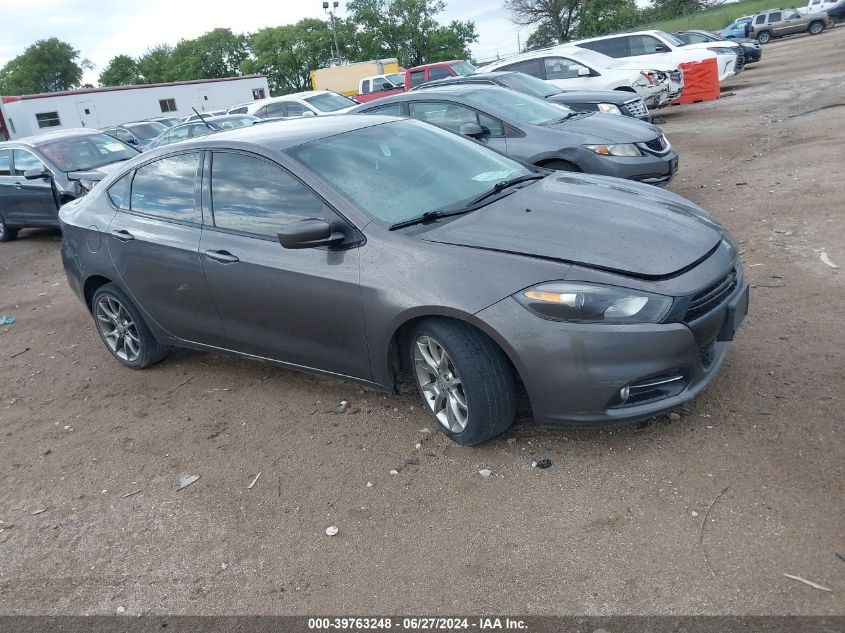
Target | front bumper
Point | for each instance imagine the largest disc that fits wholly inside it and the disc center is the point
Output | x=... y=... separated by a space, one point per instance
x=573 y=373
x=654 y=95
x=649 y=168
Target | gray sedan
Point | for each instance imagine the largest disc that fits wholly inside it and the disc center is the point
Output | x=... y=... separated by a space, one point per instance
x=540 y=133
x=604 y=299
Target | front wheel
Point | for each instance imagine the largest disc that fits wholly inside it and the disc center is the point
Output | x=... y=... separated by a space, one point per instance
x=123 y=330
x=6 y=234
x=816 y=28
x=765 y=37
x=465 y=381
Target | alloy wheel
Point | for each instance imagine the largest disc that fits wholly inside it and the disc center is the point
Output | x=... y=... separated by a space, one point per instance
x=440 y=384
x=118 y=329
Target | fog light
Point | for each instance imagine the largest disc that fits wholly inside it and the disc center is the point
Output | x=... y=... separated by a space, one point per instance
x=623 y=394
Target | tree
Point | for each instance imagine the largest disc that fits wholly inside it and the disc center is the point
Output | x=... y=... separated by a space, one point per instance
x=217 y=54
x=600 y=17
x=122 y=70
x=674 y=8
x=558 y=16
x=405 y=29
x=287 y=54
x=47 y=66
x=542 y=37
x=154 y=65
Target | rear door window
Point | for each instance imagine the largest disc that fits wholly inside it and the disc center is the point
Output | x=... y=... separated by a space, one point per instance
x=165 y=188
x=774 y=17
x=533 y=67
x=251 y=195
x=612 y=46
x=562 y=68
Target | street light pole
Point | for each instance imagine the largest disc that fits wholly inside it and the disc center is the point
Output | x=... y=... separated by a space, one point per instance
x=330 y=10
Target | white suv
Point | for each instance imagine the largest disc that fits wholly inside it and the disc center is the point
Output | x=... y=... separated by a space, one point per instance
x=652 y=47
x=573 y=68
x=310 y=103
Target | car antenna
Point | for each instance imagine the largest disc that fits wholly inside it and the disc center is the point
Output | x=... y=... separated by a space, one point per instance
x=202 y=119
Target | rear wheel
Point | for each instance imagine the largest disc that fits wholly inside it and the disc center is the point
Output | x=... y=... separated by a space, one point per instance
x=123 y=330
x=764 y=38
x=6 y=234
x=815 y=28
x=465 y=381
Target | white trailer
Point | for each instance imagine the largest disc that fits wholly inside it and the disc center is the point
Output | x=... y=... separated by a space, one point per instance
x=101 y=107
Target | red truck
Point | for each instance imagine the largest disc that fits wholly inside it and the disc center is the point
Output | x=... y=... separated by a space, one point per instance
x=440 y=70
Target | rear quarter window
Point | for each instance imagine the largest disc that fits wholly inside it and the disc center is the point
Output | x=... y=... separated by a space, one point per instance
x=120 y=190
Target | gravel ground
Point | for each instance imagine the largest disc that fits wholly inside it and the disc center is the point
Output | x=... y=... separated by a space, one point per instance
x=613 y=527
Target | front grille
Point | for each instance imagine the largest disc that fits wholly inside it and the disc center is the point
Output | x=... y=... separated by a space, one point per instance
x=712 y=296
x=740 y=59
x=658 y=145
x=636 y=107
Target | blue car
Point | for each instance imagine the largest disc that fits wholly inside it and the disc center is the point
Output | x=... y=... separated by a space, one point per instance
x=735 y=30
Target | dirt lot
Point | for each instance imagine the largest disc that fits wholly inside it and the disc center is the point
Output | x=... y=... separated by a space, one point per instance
x=612 y=527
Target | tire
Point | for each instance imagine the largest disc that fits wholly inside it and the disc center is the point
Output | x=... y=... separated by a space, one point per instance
x=560 y=165
x=6 y=234
x=764 y=38
x=815 y=27
x=130 y=341
x=475 y=369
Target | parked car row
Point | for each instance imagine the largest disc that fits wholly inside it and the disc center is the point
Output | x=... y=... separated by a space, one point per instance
x=772 y=23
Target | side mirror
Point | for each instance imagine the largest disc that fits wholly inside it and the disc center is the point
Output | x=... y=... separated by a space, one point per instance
x=308 y=233
x=37 y=174
x=308 y=113
x=661 y=49
x=472 y=130
x=583 y=72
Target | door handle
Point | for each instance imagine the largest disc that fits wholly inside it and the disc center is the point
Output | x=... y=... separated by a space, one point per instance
x=224 y=257
x=122 y=235
x=18 y=185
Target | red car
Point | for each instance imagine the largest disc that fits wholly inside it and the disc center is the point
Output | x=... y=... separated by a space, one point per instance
x=440 y=70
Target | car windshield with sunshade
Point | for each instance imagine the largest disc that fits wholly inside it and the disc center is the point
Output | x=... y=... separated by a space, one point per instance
x=330 y=102
x=428 y=169
x=518 y=107
x=83 y=153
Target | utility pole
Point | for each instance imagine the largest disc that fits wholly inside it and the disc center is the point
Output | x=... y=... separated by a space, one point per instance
x=330 y=10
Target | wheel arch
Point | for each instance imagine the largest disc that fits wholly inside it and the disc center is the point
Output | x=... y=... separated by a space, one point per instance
x=91 y=286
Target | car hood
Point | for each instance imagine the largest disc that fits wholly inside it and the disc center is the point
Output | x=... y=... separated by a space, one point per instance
x=596 y=221
x=608 y=127
x=592 y=96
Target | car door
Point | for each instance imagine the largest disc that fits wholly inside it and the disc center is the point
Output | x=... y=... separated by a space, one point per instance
x=792 y=22
x=775 y=22
x=298 y=306
x=36 y=200
x=154 y=240
x=452 y=116
x=9 y=190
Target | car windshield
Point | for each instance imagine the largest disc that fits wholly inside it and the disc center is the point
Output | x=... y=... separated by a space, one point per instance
x=427 y=169
x=329 y=102
x=462 y=68
x=83 y=153
x=147 y=130
x=529 y=85
x=589 y=57
x=674 y=41
x=397 y=79
x=517 y=106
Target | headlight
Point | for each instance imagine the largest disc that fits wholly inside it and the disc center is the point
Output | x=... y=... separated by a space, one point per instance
x=721 y=50
x=622 y=149
x=580 y=302
x=609 y=108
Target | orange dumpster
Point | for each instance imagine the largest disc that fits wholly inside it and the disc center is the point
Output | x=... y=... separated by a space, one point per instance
x=701 y=82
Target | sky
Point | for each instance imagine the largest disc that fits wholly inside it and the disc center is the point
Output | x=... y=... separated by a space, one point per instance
x=101 y=29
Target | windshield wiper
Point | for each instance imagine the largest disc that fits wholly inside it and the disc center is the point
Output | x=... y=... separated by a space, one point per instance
x=472 y=205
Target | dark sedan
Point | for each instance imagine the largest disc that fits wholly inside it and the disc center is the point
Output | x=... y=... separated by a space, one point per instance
x=607 y=101
x=606 y=300
x=40 y=173
x=208 y=125
x=142 y=134
x=750 y=47
x=541 y=133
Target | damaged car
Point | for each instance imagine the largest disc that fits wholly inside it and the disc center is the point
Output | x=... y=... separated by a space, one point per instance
x=477 y=278
x=39 y=174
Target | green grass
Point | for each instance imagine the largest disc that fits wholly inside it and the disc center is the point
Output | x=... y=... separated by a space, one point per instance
x=715 y=19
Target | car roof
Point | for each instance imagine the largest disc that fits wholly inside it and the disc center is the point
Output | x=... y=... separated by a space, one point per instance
x=281 y=135
x=474 y=78
x=46 y=137
x=459 y=90
x=433 y=64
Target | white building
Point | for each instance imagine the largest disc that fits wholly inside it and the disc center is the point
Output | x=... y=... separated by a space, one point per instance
x=102 y=107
